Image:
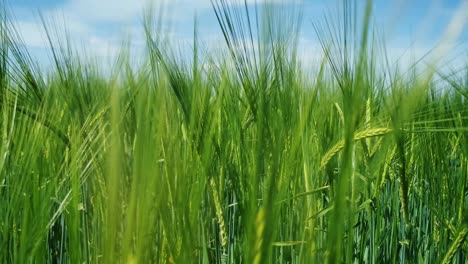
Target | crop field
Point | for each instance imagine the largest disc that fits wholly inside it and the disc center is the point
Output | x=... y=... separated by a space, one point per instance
x=240 y=155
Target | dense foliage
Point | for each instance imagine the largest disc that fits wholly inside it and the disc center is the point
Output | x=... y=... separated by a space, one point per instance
x=235 y=157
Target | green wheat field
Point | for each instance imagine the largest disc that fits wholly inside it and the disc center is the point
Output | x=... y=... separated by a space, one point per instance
x=237 y=155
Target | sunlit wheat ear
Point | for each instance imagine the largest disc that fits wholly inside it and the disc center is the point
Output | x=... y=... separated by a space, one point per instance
x=132 y=260
x=259 y=230
x=373 y=132
x=455 y=245
x=367 y=123
x=340 y=112
x=219 y=214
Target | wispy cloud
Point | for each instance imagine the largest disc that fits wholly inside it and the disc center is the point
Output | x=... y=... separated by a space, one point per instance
x=109 y=11
x=98 y=25
x=32 y=34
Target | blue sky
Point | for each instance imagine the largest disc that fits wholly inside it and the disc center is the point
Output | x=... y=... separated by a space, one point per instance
x=98 y=26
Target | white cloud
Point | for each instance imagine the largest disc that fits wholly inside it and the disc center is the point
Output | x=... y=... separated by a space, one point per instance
x=104 y=10
x=103 y=48
x=129 y=10
x=32 y=34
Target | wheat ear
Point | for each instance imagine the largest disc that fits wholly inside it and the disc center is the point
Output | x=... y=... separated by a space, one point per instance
x=373 y=132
